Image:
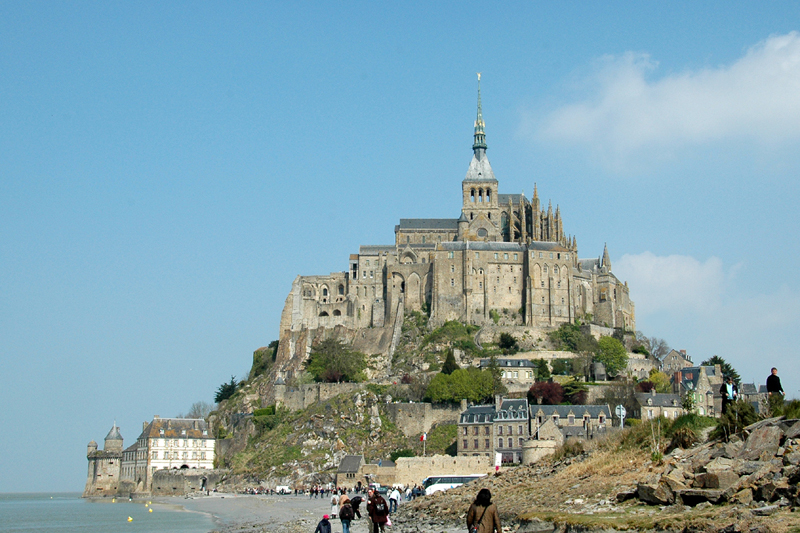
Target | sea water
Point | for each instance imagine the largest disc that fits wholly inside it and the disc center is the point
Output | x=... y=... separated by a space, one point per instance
x=69 y=513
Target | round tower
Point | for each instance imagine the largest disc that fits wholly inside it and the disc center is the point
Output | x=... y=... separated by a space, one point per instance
x=92 y=447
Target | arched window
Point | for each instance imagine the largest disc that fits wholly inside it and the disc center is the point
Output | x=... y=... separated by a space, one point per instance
x=324 y=291
x=341 y=289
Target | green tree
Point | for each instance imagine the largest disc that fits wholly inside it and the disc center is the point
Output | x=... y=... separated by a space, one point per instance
x=226 y=390
x=508 y=344
x=450 y=363
x=575 y=392
x=612 y=354
x=263 y=358
x=727 y=369
x=333 y=362
x=497 y=376
x=472 y=384
x=561 y=367
x=541 y=369
x=570 y=338
x=661 y=381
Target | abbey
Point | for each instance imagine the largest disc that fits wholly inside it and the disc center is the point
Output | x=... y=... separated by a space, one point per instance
x=503 y=255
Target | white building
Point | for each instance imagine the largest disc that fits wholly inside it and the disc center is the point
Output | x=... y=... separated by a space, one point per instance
x=172 y=443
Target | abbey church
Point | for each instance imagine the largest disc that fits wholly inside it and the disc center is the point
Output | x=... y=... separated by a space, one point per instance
x=503 y=255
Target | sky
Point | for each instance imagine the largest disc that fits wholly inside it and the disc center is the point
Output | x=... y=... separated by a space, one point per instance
x=167 y=170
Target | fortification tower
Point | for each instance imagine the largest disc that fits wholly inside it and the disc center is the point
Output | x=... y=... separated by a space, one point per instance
x=102 y=478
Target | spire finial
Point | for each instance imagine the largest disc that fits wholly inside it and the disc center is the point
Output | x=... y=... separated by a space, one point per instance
x=479 y=146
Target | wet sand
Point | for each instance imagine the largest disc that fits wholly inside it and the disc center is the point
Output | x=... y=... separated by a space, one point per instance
x=264 y=513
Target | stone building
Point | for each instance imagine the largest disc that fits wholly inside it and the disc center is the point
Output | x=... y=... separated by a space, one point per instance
x=104 y=466
x=166 y=443
x=583 y=421
x=675 y=360
x=504 y=253
x=489 y=429
x=702 y=383
x=653 y=405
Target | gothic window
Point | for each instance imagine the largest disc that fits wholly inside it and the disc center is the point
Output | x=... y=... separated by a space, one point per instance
x=555 y=270
x=500 y=442
x=489 y=195
x=408 y=239
x=472 y=195
x=341 y=289
x=480 y=286
x=336 y=312
x=324 y=291
x=471 y=216
x=562 y=301
x=542 y=283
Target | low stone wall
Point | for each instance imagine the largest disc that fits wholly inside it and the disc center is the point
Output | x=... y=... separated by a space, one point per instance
x=303 y=396
x=182 y=482
x=412 y=470
x=417 y=418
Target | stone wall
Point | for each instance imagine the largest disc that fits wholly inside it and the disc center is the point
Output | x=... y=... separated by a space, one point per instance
x=303 y=396
x=413 y=419
x=412 y=470
x=168 y=482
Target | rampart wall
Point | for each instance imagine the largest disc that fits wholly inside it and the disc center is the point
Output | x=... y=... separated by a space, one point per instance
x=181 y=482
x=413 y=419
x=303 y=396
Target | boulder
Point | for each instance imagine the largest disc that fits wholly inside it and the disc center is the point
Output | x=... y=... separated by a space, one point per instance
x=762 y=444
x=655 y=494
x=675 y=481
x=720 y=479
x=744 y=497
x=791 y=428
x=694 y=496
x=720 y=463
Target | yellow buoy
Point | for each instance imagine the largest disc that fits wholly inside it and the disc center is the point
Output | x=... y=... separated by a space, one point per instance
x=149 y=510
x=130 y=519
x=113 y=500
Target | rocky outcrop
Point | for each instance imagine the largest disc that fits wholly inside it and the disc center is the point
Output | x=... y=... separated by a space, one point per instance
x=762 y=469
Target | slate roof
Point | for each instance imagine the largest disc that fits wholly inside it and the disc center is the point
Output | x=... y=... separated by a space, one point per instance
x=748 y=388
x=502 y=199
x=508 y=363
x=350 y=464
x=176 y=428
x=480 y=170
x=658 y=399
x=564 y=410
x=428 y=223
x=478 y=414
x=375 y=249
x=114 y=434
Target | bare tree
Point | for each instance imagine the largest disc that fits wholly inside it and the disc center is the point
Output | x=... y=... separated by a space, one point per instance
x=197 y=410
x=658 y=347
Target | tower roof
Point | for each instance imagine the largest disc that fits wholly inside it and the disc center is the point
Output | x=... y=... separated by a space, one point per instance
x=480 y=134
x=114 y=434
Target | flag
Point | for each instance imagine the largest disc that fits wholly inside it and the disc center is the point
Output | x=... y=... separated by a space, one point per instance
x=423 y=437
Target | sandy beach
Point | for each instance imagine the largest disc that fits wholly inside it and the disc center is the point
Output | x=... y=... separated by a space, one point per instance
x=266 y=513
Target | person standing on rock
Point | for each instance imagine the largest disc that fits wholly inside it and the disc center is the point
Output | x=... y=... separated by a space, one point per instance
x=482 y=516
x=774 y=383
x=346 y=513
x=729 y=392
x=378 y=511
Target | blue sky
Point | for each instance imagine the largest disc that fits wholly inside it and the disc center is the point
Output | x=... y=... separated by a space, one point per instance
x=167 y=170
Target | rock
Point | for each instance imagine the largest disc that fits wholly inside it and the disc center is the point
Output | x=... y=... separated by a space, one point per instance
x=658 y=494
x=765 y=492
x=793 y=430
x=626 y=495
x=762 y=444
x=744 y=497
x=536 y=526
x=720 y=479
x=694 y=496
x=792 y=458
x=674 y=481
x=720 y=463
x=764 y=511
x=732 y=449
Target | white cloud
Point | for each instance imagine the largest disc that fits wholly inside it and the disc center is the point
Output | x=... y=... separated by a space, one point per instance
x=626 y=116
x=675 y=283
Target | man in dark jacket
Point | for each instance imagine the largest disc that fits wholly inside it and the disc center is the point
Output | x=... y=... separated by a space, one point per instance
x=378 y=511
x=774 y=383
x=356 y=503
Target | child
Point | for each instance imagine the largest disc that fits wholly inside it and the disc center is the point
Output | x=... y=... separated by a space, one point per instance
x=324 y=525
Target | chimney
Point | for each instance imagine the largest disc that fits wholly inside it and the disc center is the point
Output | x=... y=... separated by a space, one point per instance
x=653 y=391
x=498 y=401
x=683 y=352
x=463 y=404
x=144 y=425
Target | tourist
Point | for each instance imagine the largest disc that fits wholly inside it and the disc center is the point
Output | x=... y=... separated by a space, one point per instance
x=482 y=516
x=378 y=511
x=334 y=505
x=774 y=383
x=394 y=497
x=324 y=525
x=346 y=513
x=356 y=501
x=729 y=392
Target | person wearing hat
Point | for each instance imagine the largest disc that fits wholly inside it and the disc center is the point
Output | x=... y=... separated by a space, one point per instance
x=324 y=525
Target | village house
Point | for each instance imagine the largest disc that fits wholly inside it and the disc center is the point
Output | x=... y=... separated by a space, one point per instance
x=702 y=383
x=500 y=428
x=653 y=405
x=675 y=360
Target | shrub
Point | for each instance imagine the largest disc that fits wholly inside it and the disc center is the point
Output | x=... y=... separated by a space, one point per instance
x=226 y=390
x=405 y=452
x=739 y=415
x=546 y=393
x=508 y=344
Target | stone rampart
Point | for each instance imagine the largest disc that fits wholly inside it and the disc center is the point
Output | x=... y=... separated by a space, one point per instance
x=181 y=482
x=413 y=419
x=412 y=470
x=303 y=396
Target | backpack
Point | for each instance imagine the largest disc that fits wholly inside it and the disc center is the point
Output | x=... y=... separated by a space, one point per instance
x=380 y=507
x=346 y=512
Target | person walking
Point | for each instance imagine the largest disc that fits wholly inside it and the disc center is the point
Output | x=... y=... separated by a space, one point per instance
x=346 y=513
x=378 y=511
x=482 y=516
x=729 y=392
x=774 y=383
x=334 y=505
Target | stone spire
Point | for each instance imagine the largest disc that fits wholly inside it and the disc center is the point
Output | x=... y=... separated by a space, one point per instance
x=606 y=259
x=479 y=146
